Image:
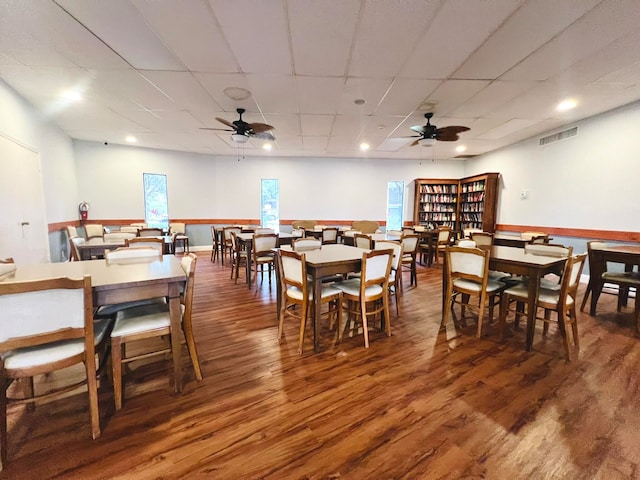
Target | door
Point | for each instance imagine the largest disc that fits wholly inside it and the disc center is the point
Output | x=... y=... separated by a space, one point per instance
x=23 y=229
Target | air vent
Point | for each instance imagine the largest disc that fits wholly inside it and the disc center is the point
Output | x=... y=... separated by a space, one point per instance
x=572 y=132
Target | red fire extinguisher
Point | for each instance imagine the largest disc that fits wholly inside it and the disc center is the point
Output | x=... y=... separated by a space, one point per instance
x=84 y=210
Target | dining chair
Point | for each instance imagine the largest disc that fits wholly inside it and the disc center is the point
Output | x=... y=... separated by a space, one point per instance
x=151 y=321
x=467 y=278
x=306 y=244
x=74 y=252
x=152 y=242
x=372 y=288
x=7 y=265
x=238 y=257
x=72 y=231
x=226 y=240
x=150 y=232
x=93 y=230
x=215 y=243
x=395 y=272
x=263 y=254
x=466 y=243
x=297 y=295
x=482 y=239
x=363 y=241
x=33 y=342
x=130 y=229
x=562 y=302
x=178 y=232
x=535 y=237
x=622 y=280
x=426 y=247
x=329 y=235
x=409 y=256
x=468 y=232
x=443 y=241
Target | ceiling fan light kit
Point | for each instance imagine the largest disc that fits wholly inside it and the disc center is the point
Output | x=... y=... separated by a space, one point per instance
x=238 y=138
x=242 y=130
x=427 y=142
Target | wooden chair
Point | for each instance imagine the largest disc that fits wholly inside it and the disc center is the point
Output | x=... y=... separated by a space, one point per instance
x=215 y=244
x=622 y=280
x=150 y=321
x=443 y=241
x=363 y=241
x=409 y=256
x=305 y=244
x=35 y=342
x=482 y=239
x=372 y=288
x=178 y=232
x=226 y=240
x=145 y=242
x=467 y=277
x=238 y=257
x=395 y=272
x=7 y=265
x=329 y=235
x=535 y=237
x=130 y=229
x=296 y=292
x=74 y=252
x=263 y=253
x=150 y=232
x=562 y=302
x=93 y=230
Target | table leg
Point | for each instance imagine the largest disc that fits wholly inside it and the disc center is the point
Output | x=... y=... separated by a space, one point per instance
x=532 y=305
x=249 y=247
x=175 y=314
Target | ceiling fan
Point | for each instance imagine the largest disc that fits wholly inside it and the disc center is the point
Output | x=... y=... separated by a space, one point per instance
x=242 y=130
x=428 y=133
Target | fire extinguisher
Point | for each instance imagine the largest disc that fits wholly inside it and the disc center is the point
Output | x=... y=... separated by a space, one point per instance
x=84 y=210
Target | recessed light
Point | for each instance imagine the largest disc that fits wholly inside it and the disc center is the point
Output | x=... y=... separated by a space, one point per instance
x=131 y=139
x=364 y=146
x=266 y=146
x=460 y=148
x=567 y=104
x=359 y=101
x=72 y=96
x=237 y=93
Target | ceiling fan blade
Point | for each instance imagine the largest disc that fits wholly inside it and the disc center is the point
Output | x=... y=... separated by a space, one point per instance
x=419 y=128
x=263 y=136
x=452 y=129
x=447 y=138
x=217 y=129
x=226 y=122
x=414 y=143
x=412 y=136
x=260 y=127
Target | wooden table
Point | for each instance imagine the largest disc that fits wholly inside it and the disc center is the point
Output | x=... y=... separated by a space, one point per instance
x=628 y=255
x=324 y=262
x=507 y=240
x=245 y=240
x=519 y=262
x=95 y=247
x=123 y=281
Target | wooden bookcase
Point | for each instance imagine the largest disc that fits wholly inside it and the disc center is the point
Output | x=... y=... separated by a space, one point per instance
x=469 y=202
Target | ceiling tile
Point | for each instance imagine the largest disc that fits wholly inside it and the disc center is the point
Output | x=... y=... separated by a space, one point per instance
x=274 y=93
x=406 y=95
x=183 y=89
x=319 y=94
x=453 y=93
x=316 y=125
x=370 y=89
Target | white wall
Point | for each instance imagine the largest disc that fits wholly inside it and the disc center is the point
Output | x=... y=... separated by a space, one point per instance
x=588 y=181
x=203 y=186
x=20 y=122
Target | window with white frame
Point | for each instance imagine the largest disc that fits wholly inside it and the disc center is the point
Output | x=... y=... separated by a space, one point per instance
x=156 y=203
x=270 y=204
x=395 y=205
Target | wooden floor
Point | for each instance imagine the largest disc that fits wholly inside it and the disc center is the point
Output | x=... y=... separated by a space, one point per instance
x=417 y=405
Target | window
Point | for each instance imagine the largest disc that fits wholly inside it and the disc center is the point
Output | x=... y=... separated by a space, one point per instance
x=395 y=205
x=270 y=204
x=156 y=205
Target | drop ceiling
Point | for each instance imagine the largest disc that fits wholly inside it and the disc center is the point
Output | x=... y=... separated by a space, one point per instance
x=158 y=70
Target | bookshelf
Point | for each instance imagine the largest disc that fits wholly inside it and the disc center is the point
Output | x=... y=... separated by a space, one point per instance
x=469 y=202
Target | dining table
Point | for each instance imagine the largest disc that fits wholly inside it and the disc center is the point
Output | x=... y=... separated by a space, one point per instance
x=245 y=241
x=96 y=247
x=628 y=255
x=327 y=261
x=122 y=281
x=518 y=261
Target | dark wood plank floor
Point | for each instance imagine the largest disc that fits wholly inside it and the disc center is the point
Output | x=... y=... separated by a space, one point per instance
x=418 y=405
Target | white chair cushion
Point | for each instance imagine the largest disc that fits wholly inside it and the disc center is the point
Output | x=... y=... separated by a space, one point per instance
x=327 y=291
x=492 y=285
x=352 y=287
x=52 y=352
x=544 y=296
x=142 y=319
x=108 y=310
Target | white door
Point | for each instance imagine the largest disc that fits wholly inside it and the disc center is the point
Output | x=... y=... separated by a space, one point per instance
x=23 y=228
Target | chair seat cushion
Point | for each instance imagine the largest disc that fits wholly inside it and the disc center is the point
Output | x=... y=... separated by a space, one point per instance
x=546 y=298
x=109 y=310
x=492 y=285
x=30 y=357
x=142 y=319
x=327 y=291
x=630 y=278
x=352 y=287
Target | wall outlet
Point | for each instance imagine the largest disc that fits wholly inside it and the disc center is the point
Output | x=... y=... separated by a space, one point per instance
x=524 y=194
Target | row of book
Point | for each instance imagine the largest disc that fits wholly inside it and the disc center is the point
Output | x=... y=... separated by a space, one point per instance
x=438 y=198
x=473 y=197
x=439 y=189
x=473 y=186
